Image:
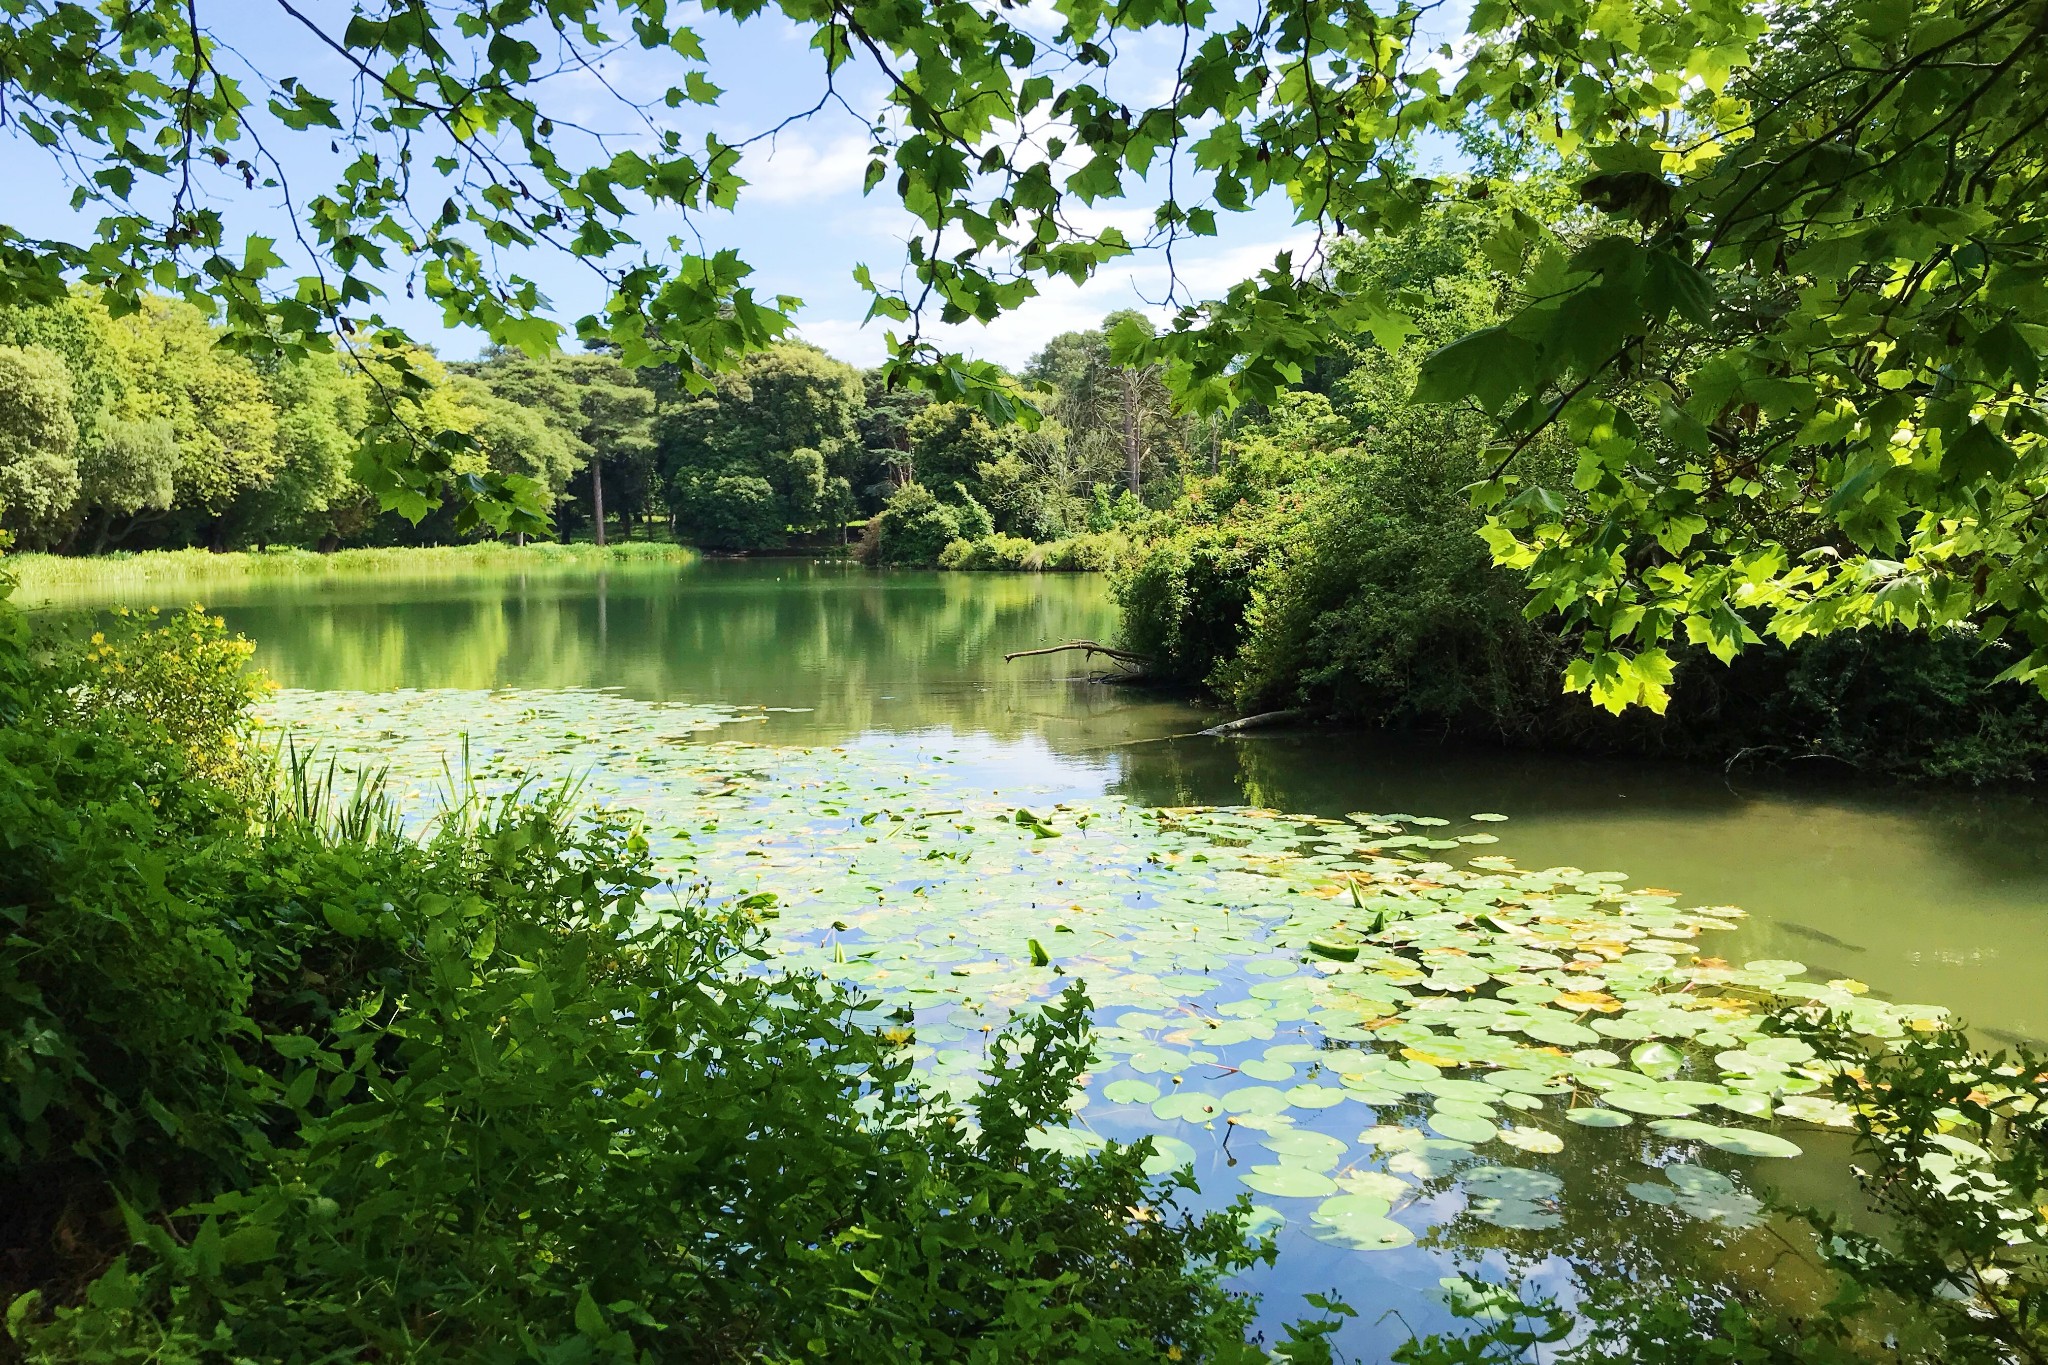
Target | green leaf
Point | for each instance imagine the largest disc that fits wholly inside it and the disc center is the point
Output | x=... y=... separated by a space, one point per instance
x=1490 y=365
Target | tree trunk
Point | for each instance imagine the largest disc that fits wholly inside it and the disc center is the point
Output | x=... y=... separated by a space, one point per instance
x=1134 y=449
x=1215 y=446
x=597 y=497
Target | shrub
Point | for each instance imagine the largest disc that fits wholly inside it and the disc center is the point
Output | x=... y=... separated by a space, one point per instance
x=1375 y=598
x=734 y=1164
x=1075 y=554
x=1184 y=592
x=914 y=527
x=179 y=680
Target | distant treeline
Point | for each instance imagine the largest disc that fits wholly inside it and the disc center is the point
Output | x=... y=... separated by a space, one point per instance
x=143 y=432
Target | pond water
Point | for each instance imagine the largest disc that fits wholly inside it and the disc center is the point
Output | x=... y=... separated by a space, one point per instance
x=887 y=693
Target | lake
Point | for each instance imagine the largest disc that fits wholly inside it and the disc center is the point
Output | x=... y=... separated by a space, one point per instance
x=888 y=678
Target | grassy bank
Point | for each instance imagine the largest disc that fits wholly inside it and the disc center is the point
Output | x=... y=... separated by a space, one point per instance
x=58 y=578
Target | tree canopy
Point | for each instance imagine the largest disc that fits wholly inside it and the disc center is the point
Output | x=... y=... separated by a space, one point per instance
x=1790 y=333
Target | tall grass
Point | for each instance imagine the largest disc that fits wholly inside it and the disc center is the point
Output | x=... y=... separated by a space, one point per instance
x=46 y=579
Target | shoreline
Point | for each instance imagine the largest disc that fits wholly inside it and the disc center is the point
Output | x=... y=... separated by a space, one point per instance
x=42 y=579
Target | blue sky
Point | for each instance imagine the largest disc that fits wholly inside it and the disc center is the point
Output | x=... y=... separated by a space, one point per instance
x=802 y=222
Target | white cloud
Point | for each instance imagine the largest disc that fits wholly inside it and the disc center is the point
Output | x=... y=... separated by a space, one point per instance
x=794 y=166
x=1013 y=339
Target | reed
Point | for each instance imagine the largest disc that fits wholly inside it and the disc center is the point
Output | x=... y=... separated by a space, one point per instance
x=48 y=579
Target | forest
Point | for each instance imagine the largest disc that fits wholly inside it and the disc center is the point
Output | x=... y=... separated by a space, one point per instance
x=750 y=937
x=143 y=432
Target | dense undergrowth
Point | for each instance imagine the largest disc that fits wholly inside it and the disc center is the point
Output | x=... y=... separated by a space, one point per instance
x=284 y=1082
x=1336 y=563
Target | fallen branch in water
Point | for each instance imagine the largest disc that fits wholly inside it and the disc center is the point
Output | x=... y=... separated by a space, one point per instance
x=1121 y=656
x=1258 y=722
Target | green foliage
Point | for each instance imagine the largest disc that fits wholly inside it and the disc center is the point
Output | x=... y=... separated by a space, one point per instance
x=950 y=442
x=1787 y=333
x=132 y=465
x=1184 y=594
x=1088 y=553
x=222 y=421
x=38 y=442
x=1335 y=563
x=915 y=527
x=779 y=440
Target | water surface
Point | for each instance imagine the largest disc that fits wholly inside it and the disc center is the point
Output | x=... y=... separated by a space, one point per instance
x=1928 y=895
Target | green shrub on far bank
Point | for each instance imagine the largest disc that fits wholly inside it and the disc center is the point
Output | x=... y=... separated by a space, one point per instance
x=280 y=1081
x=1091 y=553
x=915 y=526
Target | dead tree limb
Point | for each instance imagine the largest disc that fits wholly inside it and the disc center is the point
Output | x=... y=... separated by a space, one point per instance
x=1258 y=722
x=1089 y=647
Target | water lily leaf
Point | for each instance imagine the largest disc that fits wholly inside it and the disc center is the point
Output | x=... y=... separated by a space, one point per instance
x=1389 y=1137
x=1168 y=1154
x=1751 y=1105
x=1265 y=1069
x=1303 y=1142
x=1598 y=1118
x=1430 y=1159
x=1511 y=1182
x=1648 y=1102
x=1380 y=1184
x=1463 y=1127
x=1817 y=1109
x=1382 y=1234
x=1191 y=1105
x=1749 y=1142
x=1255 y=1099
x=1309 y=1096
x=1289 y=1182
x=1532 y=1139
x=1157 y=1061
x=1130 y=1091
x=1487 y=815
x=1519 y=1214
x=1689 y=1179
x=1262 y=1219
x=1339 y=1209
x=1656 y=1058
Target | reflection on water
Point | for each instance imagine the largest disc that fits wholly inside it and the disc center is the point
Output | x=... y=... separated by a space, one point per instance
x=1925 y=895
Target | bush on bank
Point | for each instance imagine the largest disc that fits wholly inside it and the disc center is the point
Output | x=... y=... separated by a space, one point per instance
x=279 y=1080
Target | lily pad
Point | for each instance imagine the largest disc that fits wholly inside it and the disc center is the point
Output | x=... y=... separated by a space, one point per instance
x=1130 y=1091
x=1540 y=1140
x=1463 y=1127
x=1289 y=1182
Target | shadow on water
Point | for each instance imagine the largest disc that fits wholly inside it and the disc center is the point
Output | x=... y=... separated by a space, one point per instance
x=1925 y=894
